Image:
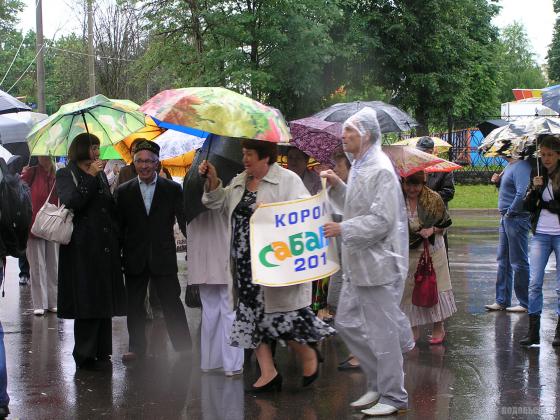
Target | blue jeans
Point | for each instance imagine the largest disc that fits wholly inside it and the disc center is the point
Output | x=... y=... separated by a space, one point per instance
x=4 y=399
x=541 y=247
x=513 y=261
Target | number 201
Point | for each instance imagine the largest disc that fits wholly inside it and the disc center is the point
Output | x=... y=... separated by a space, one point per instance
x=311 y=262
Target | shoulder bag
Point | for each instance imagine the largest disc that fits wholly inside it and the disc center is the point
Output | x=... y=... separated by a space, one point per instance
x=425 y=293
x=54 y=223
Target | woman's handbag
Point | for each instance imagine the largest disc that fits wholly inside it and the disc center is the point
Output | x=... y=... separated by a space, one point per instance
x=54 y=223
x=425 y=293
x=192 y=296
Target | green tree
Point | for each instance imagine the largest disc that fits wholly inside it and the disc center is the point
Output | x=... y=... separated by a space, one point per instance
x=20 y=79
x=272 y=51
x=553 y=57
x=437 y=57
x=9 y=10
x=518 y=66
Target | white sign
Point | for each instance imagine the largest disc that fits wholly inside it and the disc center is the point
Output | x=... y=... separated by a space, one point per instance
x=288 y=245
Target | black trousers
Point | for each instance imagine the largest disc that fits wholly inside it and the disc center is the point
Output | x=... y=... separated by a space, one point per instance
x=92 y=339
x=168 y=291
x=23 y=266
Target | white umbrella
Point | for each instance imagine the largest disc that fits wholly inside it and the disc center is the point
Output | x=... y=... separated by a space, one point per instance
x=4 y=154
x=15 y=127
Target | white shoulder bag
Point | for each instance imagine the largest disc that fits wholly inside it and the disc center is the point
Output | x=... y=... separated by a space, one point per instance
x=54 y=223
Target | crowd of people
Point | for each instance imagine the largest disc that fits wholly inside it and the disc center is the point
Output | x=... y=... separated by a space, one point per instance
x=122 y=257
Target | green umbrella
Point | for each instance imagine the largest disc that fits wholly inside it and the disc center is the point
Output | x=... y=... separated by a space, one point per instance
x=110 y=120
x=108 y=153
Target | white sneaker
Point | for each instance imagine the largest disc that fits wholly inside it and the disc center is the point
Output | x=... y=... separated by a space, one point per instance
x=231 y=374
x=365 y=400
x=39 y=312
x=380 y=410
x=53 y=310
x=517 y=308
x=495 y=307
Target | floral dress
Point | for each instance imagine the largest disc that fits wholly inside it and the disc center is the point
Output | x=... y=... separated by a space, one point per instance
x=252 y=325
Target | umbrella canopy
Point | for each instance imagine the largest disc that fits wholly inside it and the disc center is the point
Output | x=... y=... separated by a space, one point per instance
x=226 y=156
x=5 y=154
x=445 y=166
x=438 y=143
x=318 y=138
x=15 y=127
x=218 y=111
x=149 y=131
x=517 y=138
x=551 y=98
x=486 y=127
x=9 y=104
x=408 y=160
x=176 y=147
x=109 y=120
x=391 y=119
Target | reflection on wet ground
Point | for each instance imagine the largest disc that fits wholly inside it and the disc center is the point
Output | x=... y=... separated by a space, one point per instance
x=480 y=371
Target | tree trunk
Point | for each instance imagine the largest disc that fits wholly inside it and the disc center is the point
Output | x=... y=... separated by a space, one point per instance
x=421 y=119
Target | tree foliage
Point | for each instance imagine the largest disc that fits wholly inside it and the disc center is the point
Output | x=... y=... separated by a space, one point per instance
x=553 y=57
x=440 y=60
x=518 y=65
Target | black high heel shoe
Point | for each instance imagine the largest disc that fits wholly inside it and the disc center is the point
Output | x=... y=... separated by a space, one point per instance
x=308 y=380
x=274 y=385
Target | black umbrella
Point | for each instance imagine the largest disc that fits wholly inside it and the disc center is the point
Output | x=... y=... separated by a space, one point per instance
x=551 y=98
x=391 y=119
x=486 y=127
x=9 y=104
x=225 y=154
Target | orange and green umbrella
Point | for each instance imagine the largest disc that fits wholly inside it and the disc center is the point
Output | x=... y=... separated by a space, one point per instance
x=218 y=111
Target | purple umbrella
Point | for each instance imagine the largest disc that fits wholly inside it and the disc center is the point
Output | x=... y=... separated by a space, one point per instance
x=318 y=138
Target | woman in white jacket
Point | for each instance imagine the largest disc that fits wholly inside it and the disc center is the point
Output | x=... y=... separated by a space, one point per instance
x=264 y=314
x=374 y=234
x=208 y=252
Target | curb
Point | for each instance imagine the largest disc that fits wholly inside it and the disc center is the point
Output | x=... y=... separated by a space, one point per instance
x=474 y=212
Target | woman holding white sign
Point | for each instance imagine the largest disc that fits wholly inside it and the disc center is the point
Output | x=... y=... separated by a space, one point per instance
x=264 y=314
x=374 y=234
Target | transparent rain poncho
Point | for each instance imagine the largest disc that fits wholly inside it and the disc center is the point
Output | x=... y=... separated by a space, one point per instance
x=374 y=227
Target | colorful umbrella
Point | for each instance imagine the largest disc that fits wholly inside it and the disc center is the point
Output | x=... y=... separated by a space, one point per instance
x=149 y=132
x=391 y=119
x=445 y=166
x=219 y=111
x=109 y=120
x=517 y=139
x=177 y=148
x=318 y=138
x=438 y=143
x=408 y=160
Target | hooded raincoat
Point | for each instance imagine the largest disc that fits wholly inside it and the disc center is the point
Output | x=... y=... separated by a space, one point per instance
x=374 y=234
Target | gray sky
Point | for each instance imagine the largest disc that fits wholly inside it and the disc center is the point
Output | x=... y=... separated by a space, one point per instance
x=536 y=15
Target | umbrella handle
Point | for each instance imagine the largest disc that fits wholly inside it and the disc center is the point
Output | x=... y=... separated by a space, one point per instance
x=537 y=146
x=208 y=151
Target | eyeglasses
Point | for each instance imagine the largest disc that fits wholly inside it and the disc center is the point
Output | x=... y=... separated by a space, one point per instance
x=145 y=161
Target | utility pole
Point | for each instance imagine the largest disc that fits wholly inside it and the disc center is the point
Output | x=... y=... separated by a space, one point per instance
x=91 y=57
x=40 y=58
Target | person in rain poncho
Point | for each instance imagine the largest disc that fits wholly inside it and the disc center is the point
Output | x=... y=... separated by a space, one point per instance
x=374 y=234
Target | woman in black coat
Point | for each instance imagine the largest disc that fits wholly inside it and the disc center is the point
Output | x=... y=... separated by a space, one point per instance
x=90 y=281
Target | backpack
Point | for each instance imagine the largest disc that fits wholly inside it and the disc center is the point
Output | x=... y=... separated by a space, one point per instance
x=15 y=213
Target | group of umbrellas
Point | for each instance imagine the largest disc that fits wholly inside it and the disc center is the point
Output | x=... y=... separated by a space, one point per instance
x=182 y=120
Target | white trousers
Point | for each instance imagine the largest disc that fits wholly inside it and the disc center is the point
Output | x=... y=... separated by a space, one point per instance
x=377 y=332
x=43 y=269
x=217 y=320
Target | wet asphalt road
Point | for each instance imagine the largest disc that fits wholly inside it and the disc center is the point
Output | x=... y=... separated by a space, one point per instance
x=479 y=373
